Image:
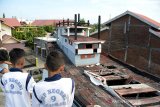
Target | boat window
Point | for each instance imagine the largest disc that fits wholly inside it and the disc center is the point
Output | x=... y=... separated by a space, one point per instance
x=81 y=46
x=95 y=50
x=88 y=46
x=79 y=30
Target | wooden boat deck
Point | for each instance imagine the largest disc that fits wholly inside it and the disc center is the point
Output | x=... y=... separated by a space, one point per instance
x=87 y=94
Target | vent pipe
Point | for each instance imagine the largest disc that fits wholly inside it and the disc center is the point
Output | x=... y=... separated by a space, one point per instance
x=79 y=18
x=75 y=24
x=68 y=22
x=63 y=22
x=99 y=26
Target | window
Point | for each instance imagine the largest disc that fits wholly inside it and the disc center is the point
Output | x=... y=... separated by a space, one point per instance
x=76 y=51
x=81 y=46
x=44 y=53
x=95 y=50
x=65 y=40
x=88 y=46
x=79 y=30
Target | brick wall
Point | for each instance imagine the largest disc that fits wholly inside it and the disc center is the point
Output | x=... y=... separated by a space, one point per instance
x=130 y=32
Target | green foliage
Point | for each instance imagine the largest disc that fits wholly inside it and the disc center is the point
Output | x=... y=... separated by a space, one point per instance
x=29 y=35
x=4 y=15
x=82 y=20
x=48 y=29
x=94 y=27
x=0 y=90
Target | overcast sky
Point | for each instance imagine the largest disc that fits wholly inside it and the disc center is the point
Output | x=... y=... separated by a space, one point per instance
x=89 y=9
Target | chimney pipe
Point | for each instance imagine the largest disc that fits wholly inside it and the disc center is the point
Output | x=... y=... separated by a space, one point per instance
x=99 y=26
x=88 y=23
x=78 y=17
x=68 y=22
x=59 y=23
x=75 y=24
x=63 y=22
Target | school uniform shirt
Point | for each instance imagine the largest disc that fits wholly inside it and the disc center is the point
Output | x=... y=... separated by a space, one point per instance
x=17 y=87
x=53 y=92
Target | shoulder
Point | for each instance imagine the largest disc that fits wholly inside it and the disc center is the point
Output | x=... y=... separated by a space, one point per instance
x=40 y=84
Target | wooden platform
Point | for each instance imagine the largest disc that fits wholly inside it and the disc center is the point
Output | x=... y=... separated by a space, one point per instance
x=145 y=101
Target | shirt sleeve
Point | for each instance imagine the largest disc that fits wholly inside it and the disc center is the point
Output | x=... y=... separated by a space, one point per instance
x=72 y=94
x=30 y=84
x=35 y=102
x=1 y=84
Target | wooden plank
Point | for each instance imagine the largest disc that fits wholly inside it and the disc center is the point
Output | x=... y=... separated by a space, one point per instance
x=133 y=86
x=115 y=77
x=135 y=91
x=144 y=101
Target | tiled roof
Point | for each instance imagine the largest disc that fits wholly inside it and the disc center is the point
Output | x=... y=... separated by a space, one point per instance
x=143 y=18
x=45 y=22
x=13 y=45
x=6 y=37
x=12 y=22
x=83 y=39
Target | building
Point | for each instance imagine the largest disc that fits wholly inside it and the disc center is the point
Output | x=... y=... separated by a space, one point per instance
x=6 y=26
x=104 y=33
x=12 y=22
x=6 y=38
x=135 y=40
x=42 y=45
x=77 y=45
x=45 y=22
x=4 y=29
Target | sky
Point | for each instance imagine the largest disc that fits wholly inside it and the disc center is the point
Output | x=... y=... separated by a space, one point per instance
x=89 y=9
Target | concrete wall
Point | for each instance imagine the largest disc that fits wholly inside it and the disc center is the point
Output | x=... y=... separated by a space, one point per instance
x=88 y=61
x=5 y=30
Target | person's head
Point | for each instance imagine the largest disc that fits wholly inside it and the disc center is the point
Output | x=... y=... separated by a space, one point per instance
x=17 y=57
x=55 y=62
x=4 y=60
x=3 y=55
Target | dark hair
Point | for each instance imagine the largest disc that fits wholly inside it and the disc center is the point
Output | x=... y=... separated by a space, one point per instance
x=4 y=55
x=54 y=60
x=15 y=54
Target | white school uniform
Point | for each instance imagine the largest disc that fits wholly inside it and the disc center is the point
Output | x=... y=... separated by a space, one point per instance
x=54 y=92
x=17 y=87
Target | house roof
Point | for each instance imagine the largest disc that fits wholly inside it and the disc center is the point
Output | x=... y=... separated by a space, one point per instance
x=105 y=28
x=12 y=22
x=143 y=18
x=14 y=45
x=7 y=37
x=83 y=39
x=45 y=22
x=157 y=33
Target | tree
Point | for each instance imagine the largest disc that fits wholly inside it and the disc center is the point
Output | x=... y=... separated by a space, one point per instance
x=29 y=35
x=4 y=15
x=48 y=28
x=82 y=20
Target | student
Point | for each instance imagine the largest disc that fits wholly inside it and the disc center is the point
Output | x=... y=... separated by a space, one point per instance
x=4 y=61
x=17 y=85
x=54 y=91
